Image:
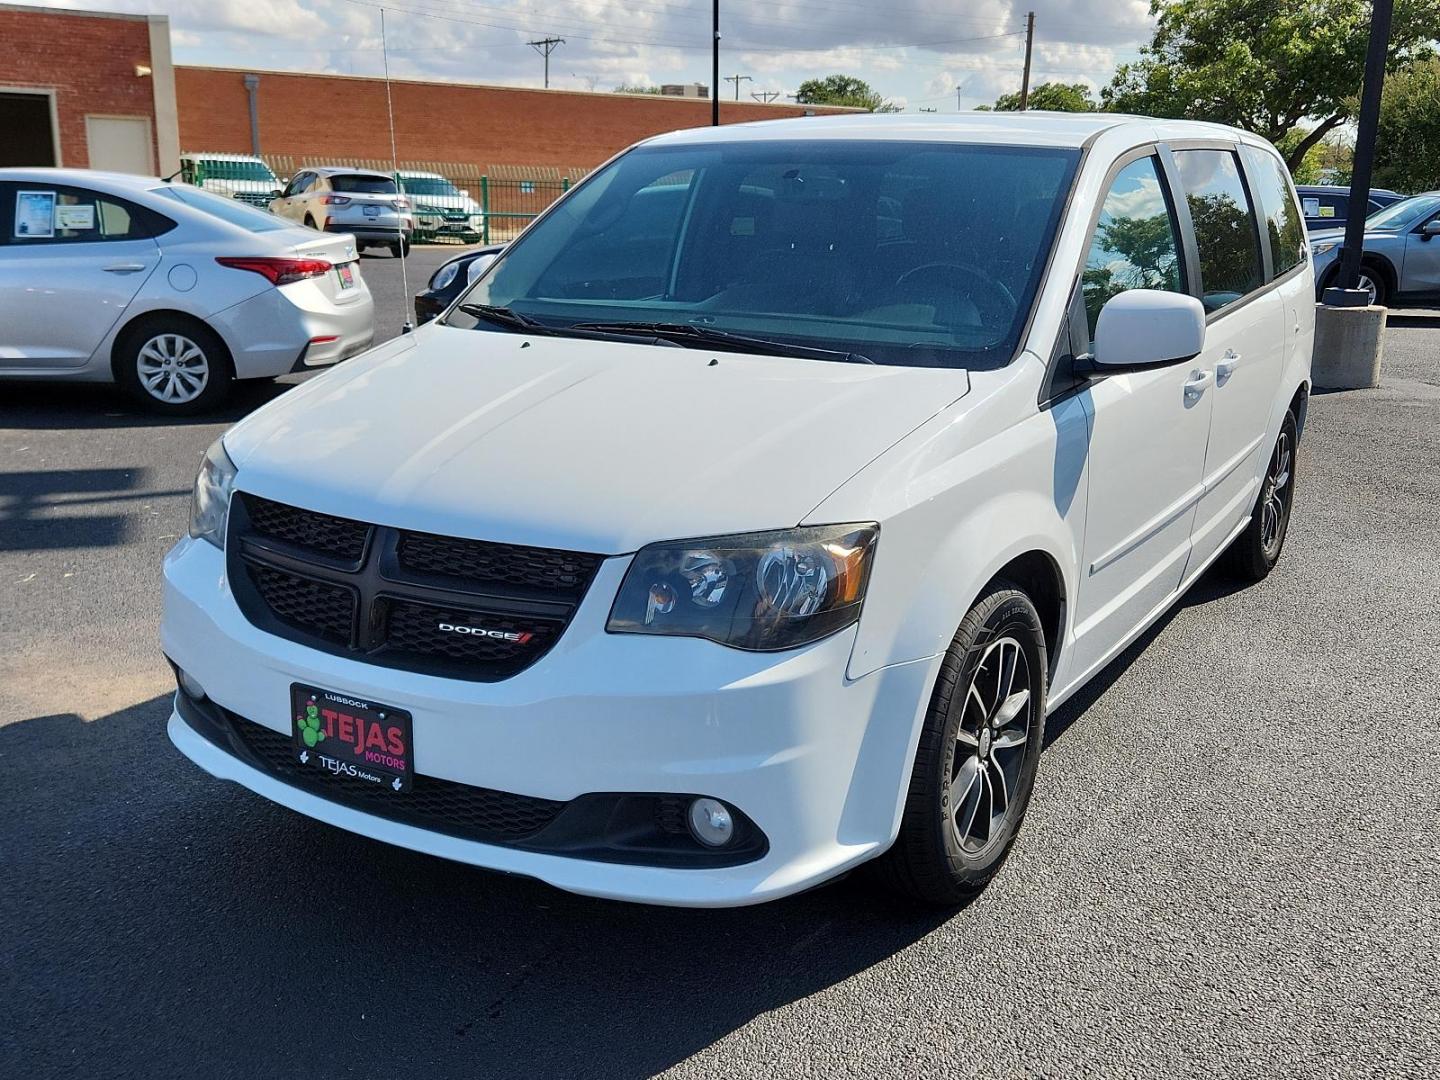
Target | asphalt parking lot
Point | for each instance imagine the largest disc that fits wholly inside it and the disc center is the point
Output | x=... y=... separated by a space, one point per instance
x=1231 y=866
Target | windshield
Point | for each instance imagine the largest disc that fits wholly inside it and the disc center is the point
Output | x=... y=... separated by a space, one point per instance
x=429 y=185
x=217 y=169
x=904 y=252
x=232 y=210
x=362 y=184
x=1398 y=215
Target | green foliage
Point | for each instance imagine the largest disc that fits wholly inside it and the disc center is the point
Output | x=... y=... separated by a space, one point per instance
x=1407 y=149
x=1264 y=66
x=1051 y=97
x=1329 y=161
x=843 y=90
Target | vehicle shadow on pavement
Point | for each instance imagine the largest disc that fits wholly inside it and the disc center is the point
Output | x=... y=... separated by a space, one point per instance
x=48 y=406
x=1214 y=584
x=181 y=926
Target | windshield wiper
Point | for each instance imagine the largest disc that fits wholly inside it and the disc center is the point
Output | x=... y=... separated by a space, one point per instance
x=506 y=317
x=693 y=336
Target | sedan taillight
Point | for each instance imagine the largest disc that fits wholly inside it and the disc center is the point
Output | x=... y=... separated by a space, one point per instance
x=279 y=271
x=335 y=200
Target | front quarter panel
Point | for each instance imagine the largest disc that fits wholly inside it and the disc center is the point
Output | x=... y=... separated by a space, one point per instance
x=987 y=480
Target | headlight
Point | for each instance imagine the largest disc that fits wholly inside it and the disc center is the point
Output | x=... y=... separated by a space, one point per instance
x=210 y=504
x=445 y=275
x=1323 y=246
x=758 y=591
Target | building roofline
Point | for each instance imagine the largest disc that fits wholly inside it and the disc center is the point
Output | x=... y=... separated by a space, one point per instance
x=609 y=94
x=126 y=15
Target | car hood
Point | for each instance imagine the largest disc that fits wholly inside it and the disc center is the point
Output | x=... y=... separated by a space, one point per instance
x=445 y=202
x=1371 y=235
x=585 y=445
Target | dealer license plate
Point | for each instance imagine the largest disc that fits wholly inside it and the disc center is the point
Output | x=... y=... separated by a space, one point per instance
x=339 y=735
x=346 y=273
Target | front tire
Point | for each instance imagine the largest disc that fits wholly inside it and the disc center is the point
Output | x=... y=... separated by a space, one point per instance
x=1256 y=550
x=975 y=765
x=173 y=366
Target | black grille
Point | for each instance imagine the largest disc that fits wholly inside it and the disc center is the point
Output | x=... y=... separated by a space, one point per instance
x=503 y=644
x=337 y=537
x=458 y=809
x=304 y=603
x=564 y=572
x=462 y=608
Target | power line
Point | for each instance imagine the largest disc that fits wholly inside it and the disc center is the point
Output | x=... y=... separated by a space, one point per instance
x=766 y=96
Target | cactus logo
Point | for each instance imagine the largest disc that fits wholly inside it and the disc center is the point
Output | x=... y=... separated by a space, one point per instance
x=310 y=730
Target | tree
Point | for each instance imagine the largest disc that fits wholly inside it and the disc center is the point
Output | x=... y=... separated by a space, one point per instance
x=1264 y=66
x=843 y=90
x=1051 y=96
x=1329 y=161
x=1407 y=148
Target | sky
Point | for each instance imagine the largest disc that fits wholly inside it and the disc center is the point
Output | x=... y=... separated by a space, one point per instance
x=917 y=53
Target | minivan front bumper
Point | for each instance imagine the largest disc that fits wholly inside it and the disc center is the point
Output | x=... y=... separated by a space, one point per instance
x=819 y=763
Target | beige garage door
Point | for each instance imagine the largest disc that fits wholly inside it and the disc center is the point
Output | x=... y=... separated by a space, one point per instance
x=120 y=144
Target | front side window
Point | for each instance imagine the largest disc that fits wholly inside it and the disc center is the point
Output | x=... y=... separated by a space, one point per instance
x=1271 y=183
x=921 y=254
x=362 y=184
x=1225 y=233
x=1136 y=244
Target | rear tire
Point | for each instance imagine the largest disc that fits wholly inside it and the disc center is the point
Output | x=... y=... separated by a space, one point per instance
x=400 y=248
x=310 y=223
x=173 y=366
x=1256 y=550
x=975 y=766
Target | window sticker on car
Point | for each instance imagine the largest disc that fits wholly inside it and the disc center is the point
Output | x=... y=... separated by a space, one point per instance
x=1327 y=211
x=35 y=214
x=1311 y=206
x=75 y=217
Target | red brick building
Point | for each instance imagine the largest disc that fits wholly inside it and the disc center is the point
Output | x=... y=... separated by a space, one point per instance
x=86 y=89
x=316 y=117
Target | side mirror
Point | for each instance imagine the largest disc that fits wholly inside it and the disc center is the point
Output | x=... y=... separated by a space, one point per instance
x=1144 y=328
x=1430 y=229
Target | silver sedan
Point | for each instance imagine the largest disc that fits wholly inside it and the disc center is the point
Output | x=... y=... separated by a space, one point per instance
x=169 y=290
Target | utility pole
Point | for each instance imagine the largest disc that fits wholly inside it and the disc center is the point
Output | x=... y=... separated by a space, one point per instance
x=1345 y=291
x=545 y=46
x=737 y=80
x=766 y=96
x=715 y=65
x=1025 y=79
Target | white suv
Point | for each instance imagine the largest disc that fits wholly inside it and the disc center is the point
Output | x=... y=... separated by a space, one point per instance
x=743 y=523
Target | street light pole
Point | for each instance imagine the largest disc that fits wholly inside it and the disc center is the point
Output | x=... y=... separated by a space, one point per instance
x=1345 y=291
x=715 y=66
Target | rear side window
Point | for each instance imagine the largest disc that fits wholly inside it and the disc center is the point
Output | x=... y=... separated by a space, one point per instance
x=56 y=214
x=1270 y=181
x=362 y=184
x=1225 y=231
x=1136 y=244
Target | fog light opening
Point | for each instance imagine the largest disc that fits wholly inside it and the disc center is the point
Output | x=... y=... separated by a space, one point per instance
x=190 y=685
x=711 y=823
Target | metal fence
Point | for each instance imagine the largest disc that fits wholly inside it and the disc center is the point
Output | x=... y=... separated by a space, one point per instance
x=509 y=196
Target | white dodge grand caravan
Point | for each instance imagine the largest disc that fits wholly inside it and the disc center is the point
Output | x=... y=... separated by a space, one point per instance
x=743 y=522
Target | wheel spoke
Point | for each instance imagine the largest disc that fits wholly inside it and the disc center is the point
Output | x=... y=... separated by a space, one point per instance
x=964 y=780
x=998 y=783
x=970 y=807
x=966 y=739
x=1010 y=740
x=1010 y=708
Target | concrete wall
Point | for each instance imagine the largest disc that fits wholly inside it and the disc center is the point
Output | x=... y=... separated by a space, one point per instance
x=87 y=61
x=315 y=116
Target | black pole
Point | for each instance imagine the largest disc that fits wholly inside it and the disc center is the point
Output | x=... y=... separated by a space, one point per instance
x=715 y=68
x=1345 y=292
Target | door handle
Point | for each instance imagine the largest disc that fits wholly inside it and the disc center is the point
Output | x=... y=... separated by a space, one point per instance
x=1196 y=384
x=123 y=268
x=1226 y=367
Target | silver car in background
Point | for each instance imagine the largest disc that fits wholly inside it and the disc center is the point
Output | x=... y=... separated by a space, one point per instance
x=1401 y=252
x=339 y=199
x=172 y=291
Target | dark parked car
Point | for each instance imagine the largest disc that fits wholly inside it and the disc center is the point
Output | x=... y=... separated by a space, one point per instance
x=451 y=280
x=1326 y=206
